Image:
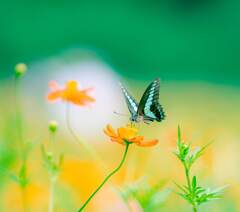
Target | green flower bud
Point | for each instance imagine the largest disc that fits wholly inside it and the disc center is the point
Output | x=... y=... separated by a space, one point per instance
x=20 y=69
x=53 y=126
x=49 y=156
x=185 y=146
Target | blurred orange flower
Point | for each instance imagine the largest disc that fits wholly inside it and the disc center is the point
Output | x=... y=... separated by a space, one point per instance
x=70 y=93
x=128 y=134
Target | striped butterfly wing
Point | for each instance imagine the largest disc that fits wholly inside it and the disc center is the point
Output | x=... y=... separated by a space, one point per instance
x=149 y=106
x=131 y=102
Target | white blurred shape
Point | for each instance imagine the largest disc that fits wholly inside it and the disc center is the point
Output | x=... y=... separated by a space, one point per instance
x=88 y=122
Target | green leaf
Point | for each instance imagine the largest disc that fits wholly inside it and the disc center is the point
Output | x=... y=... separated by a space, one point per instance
x=194 y=183
x=186 y=197
x=199 y=190
x=44 y=154
x=183 y=189
x=61 y=160
x=179 y=134
x=220 y=189
x=198 y=153
x=22 y=176
x=205 y=195
x=22 y=172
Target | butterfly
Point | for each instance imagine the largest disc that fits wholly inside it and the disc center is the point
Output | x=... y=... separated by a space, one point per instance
x=148 y=109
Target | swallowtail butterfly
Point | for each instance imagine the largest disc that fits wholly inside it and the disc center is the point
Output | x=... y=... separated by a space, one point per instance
x=148 y=109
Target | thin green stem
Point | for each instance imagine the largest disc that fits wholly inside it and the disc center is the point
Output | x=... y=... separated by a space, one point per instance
x=53 y=178
x=18 y=117
x=188 y=177
x=52 y=141
x=51 y=195
x=107 y=178
x=76 y=137
x=187 y=173
x=19 y=130
x=70 y=127
x=194 y=208
x=90 y=150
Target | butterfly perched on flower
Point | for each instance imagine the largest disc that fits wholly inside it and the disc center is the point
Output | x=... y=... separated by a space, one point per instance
x=148 y=109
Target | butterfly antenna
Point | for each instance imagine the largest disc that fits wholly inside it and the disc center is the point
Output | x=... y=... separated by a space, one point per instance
x=119 y=114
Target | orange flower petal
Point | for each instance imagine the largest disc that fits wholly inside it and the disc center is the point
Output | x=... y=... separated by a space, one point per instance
x=70 y=93
x=121 y=132
x=118 y=140
x=137 y=139
x=53 y=85
x=110 y=131
x=54 y=95
x=148 y=143
x=85 y=97
x=77 y=101
x=128 y=134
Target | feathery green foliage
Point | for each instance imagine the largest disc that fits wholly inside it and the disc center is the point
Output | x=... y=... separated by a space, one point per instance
x=192 y=192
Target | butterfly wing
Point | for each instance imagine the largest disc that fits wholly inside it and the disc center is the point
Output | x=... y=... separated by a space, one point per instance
x=149 y=106
x=131 y=102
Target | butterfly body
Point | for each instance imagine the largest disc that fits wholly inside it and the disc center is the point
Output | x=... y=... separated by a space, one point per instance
x=148 y=109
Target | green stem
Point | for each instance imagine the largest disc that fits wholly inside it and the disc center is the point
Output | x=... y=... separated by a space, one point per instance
x=51 y=195
x=90 y=150
x=72 y=132
x=106 y=179
x=52 y=141
x=189 y=185
x=18 y=117
x=22 y=152
x=188 y=177
x=194 y=208
x=53 y=178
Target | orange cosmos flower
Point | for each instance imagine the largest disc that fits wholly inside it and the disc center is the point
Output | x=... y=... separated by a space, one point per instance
x=70 y=93
x=128 y=134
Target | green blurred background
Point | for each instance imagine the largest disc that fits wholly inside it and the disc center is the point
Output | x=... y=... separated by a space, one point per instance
x=176 y=39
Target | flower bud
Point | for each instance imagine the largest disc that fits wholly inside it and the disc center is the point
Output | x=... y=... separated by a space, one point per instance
x=49 y=156
x=185 y=146
x=53 y=126
x=20 y=69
